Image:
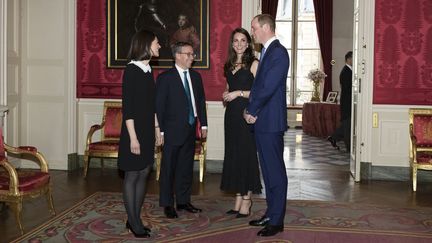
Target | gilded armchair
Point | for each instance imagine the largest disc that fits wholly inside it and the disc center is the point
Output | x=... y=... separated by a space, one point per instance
x=17 y=185
x=107 y=146
x=420 y=128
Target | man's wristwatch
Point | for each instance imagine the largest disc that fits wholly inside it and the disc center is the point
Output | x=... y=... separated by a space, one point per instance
x=241 y=93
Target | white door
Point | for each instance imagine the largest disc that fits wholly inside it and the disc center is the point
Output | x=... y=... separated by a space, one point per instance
x=41 y=74
x=356 y=90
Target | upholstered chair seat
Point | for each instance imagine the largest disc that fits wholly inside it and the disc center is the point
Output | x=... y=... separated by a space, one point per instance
x=109 y=145
x=28 y=180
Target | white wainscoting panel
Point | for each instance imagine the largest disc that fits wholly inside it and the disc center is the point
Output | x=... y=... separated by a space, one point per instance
x=215 y=140
x=393 y=138
x=390 y=140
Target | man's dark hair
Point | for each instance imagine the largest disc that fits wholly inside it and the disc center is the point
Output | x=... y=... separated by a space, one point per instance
x=266 y=19
x=140 y=48
x=348 y=56
x=176 y=47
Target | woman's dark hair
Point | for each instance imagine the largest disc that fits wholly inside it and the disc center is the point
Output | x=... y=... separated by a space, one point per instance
x=140 y=45
x=248 y=56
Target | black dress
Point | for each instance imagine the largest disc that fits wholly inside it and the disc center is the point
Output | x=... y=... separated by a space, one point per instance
x=138 y=103
x=240 y=168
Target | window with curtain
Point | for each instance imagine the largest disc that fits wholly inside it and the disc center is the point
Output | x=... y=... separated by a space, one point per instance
x=296 y=29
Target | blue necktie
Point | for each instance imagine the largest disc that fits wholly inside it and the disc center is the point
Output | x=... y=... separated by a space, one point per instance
x=262 y=53
x=191 y=117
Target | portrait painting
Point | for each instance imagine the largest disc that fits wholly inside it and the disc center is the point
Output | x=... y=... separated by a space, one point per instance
x=170 y=20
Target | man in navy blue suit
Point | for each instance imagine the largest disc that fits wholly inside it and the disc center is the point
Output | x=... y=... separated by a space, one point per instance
x=267 y=110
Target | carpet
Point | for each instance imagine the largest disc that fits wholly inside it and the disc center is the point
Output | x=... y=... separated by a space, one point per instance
x=101 y=218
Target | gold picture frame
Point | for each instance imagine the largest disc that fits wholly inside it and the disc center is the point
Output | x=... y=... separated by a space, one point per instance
x=170 y=20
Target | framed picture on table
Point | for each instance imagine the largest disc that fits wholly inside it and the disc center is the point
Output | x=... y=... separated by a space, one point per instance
x=332 y=97
x=170 y=20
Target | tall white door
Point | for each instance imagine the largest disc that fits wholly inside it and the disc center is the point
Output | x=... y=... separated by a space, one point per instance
x=363 y=46
x=356 y=90
x=41 y=78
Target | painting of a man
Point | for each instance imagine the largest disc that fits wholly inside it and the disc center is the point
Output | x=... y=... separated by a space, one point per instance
x=186 y=32
x=170 y=20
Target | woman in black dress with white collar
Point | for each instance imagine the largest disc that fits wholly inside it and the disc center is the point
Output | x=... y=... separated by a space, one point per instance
x=139 y=127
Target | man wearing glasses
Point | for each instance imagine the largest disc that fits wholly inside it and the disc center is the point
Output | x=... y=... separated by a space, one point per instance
x=180 y=103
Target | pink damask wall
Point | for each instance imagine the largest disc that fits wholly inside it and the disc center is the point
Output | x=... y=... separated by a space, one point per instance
x=403 y=52
x=94 y=80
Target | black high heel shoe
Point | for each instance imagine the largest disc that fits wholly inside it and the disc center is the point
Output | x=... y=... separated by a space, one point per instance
x=232 y=211
x=146 y=233
x=240 y=215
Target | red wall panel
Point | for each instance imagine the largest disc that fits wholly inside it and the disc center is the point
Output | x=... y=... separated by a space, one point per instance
x=403 y=52
x=94 y=80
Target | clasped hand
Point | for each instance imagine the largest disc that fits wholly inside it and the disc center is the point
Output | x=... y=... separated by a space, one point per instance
x=249 y=118
x=229 y=96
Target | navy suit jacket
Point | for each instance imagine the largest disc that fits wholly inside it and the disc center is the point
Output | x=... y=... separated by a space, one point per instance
x=172 y=105
x=267 y=99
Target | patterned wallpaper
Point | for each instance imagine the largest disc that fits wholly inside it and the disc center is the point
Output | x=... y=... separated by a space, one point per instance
x=94 y=80
x=403 y=52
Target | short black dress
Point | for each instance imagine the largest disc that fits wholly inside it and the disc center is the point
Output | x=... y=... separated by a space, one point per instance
x=138 y=103
x=240 y=172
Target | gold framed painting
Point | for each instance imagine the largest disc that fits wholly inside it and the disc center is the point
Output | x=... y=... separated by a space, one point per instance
x=170 y=20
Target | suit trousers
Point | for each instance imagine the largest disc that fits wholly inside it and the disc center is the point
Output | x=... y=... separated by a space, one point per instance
x=343 y=132
x=177 y=171
x=270 y=148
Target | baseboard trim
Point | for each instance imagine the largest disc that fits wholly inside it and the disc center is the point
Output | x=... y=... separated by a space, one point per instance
x=391 y=173
x=367 y=170
x=76 y=162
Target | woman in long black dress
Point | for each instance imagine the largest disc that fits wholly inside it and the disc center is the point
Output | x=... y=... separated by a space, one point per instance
x=240 y=168
x=137 y=139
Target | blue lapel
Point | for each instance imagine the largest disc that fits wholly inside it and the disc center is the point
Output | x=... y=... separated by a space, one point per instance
x=267 y=53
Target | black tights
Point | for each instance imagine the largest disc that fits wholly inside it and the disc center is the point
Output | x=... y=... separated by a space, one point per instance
x=134 y=189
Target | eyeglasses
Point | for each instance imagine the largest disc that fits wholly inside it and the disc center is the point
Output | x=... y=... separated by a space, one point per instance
x=188 y=54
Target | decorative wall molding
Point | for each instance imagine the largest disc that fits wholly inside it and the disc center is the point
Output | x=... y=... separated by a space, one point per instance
x=390 y=140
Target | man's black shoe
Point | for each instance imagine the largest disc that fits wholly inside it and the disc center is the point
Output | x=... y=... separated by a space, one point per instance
x=188 y=207
x=263 y=221
x=332 y=141
x=270 y=230
x=170 y=212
